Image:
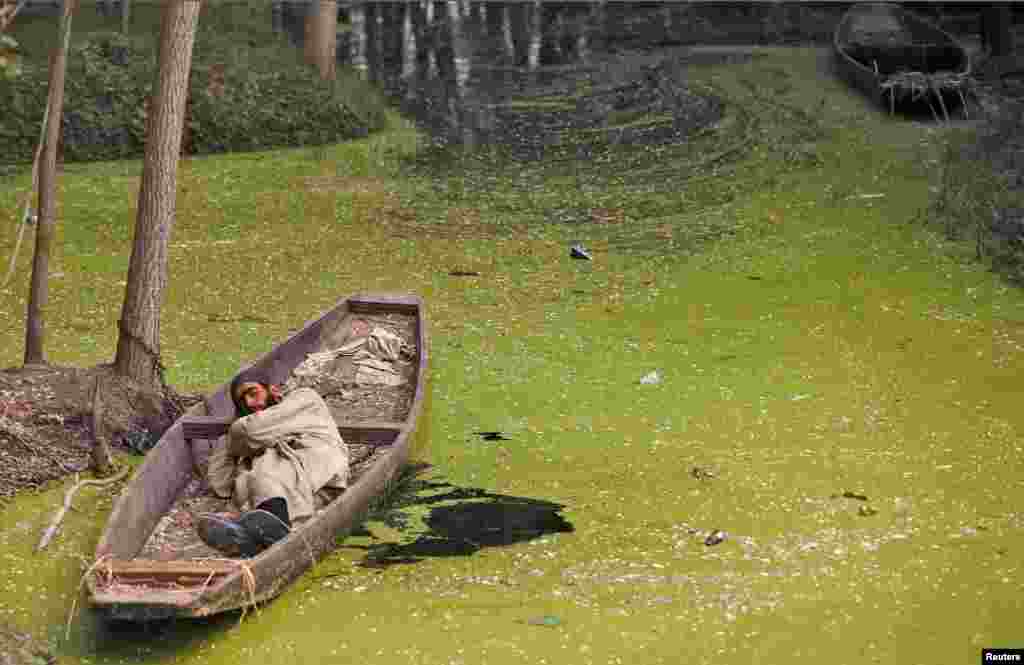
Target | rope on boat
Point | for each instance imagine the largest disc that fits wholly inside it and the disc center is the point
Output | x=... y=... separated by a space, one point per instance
x=250 y=586
x=81 y=583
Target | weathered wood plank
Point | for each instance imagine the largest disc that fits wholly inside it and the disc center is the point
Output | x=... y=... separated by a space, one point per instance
x=212 y=427
x=205 y=427
x=150 y=567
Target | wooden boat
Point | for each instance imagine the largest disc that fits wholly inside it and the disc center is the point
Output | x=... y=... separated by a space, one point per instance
x=892 y=54
x=149 y=562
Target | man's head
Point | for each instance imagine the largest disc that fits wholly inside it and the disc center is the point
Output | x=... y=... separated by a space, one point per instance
x=252 y=391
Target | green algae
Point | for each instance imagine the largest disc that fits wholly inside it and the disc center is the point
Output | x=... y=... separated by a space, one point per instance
x=540 y=104
x=812 y=339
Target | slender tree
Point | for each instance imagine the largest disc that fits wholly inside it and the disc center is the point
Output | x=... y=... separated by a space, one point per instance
x=126 y=15
x=39 y=287
x=997 y=28
x=138 y=343
x=322 y=37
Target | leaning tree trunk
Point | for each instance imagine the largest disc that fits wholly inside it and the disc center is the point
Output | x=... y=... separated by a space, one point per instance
x=138 y=343
x=35 y=330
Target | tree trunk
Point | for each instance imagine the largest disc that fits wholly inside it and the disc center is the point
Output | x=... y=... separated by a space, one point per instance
x=997 y=28
x=102 y=460
x=8 y=11
x=357 y=46
x=38 y=295
x=322 y=37
x=138 y=343
x=126 y=15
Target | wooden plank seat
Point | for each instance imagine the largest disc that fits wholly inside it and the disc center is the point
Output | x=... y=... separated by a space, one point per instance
x=178 y=572
x=204 y=427
x=213 y=427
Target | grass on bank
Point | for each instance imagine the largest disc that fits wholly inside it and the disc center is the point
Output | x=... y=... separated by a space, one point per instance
x=979 y=199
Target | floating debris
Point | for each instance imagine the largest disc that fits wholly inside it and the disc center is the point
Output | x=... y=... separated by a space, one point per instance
x=651 y=379
x=717 y=537
x=492 y=436
x=702 y=473
x=549 y=620
x=464 y=273
x=850 y=495
x=578 y=252
x=866 y=511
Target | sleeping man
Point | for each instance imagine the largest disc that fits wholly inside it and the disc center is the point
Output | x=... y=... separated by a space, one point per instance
x=279 y=453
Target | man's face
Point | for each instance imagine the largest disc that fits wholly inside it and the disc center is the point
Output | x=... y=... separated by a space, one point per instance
x=257 y=396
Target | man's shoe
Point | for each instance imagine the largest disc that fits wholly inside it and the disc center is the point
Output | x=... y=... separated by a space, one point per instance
x=226 y=535
x=264 y=527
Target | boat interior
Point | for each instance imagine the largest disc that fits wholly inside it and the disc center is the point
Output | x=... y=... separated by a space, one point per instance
x=155 y=524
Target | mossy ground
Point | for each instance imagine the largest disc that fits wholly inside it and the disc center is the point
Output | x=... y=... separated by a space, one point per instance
x=812 y=338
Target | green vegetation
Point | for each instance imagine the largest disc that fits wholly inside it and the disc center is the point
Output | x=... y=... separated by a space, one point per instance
x=980 y=198
x=249 y=90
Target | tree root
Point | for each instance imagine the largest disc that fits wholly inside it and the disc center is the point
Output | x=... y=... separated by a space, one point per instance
x=102 y=461
x=68 y=496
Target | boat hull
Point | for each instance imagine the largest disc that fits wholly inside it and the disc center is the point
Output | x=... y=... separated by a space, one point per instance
x=123 y=585
x=891 y=54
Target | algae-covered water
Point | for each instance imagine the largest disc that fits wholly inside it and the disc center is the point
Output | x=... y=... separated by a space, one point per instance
x=837 y=390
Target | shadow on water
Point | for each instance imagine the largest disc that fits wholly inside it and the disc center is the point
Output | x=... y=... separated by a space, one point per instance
x=135 y=641
x=461 y=521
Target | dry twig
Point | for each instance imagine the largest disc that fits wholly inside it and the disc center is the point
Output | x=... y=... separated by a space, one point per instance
x=68 y=496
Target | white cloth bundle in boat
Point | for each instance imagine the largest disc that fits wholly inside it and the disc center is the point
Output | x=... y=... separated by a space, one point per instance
x=376 y=359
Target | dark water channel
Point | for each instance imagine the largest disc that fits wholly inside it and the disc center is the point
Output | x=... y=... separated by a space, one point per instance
x=517 y=74
x=559 y=80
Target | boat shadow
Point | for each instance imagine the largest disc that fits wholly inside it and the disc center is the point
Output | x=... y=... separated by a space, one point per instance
x=461 y=521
